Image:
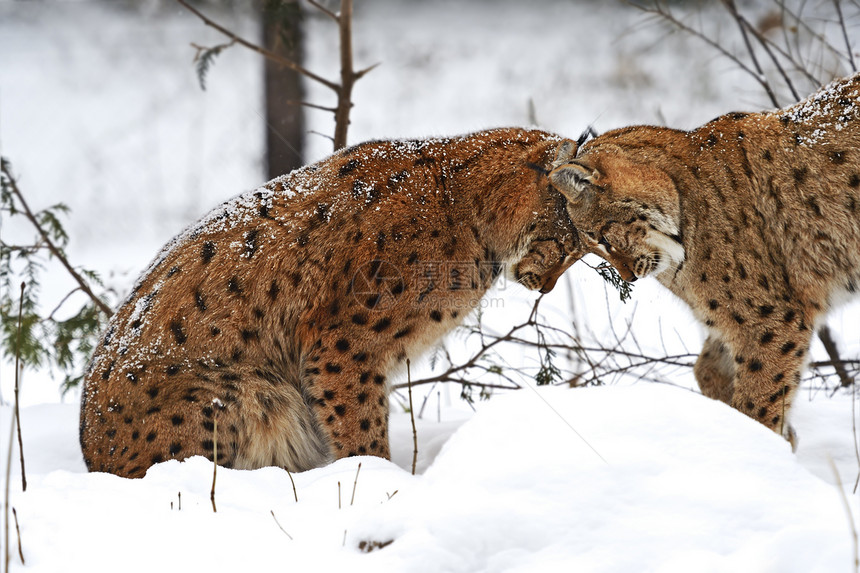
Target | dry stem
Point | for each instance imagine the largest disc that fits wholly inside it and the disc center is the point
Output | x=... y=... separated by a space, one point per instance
x=355 y=484
x=18 y=531
x=295 y=493
x=278 y=523
x=412 y=417
x=214 y=457
x=17 y=376
x=847 y=511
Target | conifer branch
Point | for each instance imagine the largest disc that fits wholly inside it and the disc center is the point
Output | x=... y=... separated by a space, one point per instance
x=55 y=250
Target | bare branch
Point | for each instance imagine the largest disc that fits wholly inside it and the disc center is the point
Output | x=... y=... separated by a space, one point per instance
x=360 y=73
x=287 y=63
x=770 y=48
x=848 y=50
x=830 y=346
x=666 y=15
x=313 y=105
x=733 y=10
x=324 y=10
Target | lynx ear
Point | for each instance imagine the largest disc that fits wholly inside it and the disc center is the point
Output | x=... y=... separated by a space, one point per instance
x=566 y=152
x=574 y=181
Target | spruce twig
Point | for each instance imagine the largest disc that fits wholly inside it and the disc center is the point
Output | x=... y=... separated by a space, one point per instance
x=55 y=250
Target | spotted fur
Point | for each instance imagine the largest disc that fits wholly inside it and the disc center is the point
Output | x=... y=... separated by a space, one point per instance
x=752 y=219
x=283 y=315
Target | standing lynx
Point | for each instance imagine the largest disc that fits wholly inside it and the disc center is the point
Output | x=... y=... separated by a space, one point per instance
x=283 y=314
x=752 y=219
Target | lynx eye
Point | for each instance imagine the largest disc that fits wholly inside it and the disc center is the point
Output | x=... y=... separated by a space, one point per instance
x=604 y=243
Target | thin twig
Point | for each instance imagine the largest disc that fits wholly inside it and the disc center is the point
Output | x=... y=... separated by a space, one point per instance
x=733 y=11
x=6 y=494
x=412 y=417
x=848 y=511
x=669 y=17
x=18 y=531
x=214 y=457
x=330 y=138
x=55 y=251
x=766 y=45
x=848 y=49
x=355 y=484
x=278 y=523
x=311 y=105
x=854 y=433
x=324 y=10
x=295 y=493
x=61 y=303
x=360 y=73
x=17 y=376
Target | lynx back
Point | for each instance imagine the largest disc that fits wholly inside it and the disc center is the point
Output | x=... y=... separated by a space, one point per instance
x=284 y=313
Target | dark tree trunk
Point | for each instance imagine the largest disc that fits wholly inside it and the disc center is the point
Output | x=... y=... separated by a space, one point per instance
x=285 y=126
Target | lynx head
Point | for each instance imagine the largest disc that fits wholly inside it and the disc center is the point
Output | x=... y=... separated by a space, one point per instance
x=626 y=211
x=554 y=244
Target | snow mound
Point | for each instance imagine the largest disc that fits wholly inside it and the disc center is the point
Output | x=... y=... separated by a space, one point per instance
x=641 y=478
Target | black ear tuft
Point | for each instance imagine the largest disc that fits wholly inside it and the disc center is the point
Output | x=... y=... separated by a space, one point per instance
x=586 y=135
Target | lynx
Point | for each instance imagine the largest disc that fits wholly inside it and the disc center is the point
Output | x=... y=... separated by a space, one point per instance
x=281 y=317
x=752 y=219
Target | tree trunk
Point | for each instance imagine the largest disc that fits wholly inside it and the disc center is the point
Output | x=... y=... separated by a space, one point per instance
x=285 y=126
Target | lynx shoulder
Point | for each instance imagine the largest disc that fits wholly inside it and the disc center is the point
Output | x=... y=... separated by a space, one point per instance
x=752 y=219
x=285 y=312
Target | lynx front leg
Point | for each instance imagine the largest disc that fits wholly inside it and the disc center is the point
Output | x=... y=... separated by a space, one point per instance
x=767 y=374
x=715 y=370
x=350 y=395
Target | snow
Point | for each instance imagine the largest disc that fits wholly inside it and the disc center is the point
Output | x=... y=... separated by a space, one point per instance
x=621 y=478
x=100 y=108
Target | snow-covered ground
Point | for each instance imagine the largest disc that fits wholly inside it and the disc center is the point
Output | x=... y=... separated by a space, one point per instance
x=100 y=108
x=638 y=478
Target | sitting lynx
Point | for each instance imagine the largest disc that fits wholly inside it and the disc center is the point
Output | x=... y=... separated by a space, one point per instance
x=752 y=219
x=283 y=313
